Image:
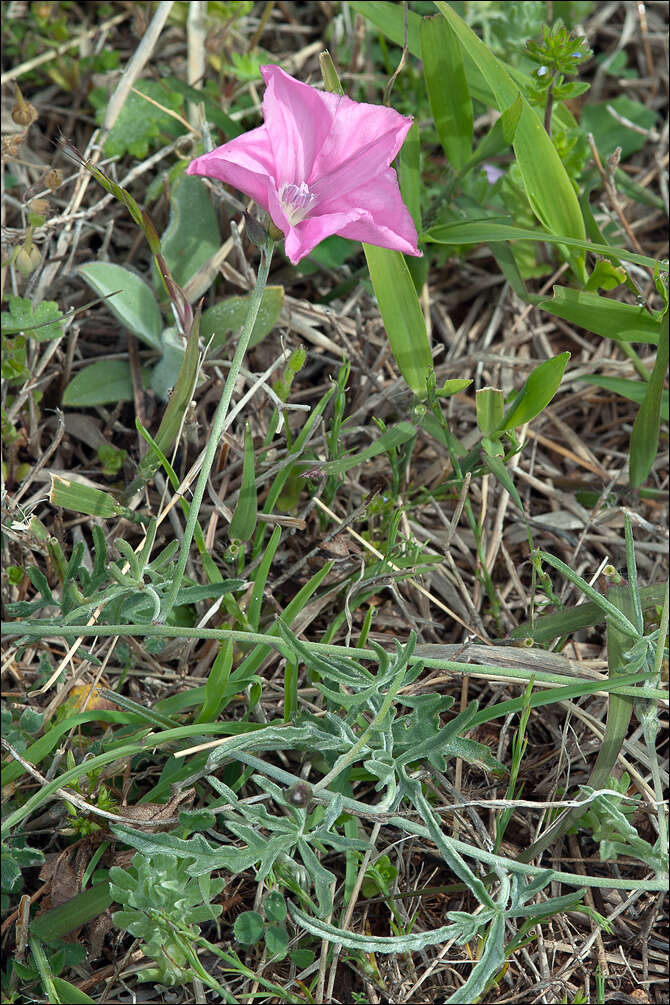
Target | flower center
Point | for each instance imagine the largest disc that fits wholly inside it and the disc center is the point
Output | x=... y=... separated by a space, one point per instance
x=296 y=201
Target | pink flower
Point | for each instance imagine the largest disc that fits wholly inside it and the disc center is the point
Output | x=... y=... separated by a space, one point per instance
x=319 y=165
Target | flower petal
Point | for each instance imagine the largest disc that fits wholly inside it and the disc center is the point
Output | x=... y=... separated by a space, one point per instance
x=245 y=162
x=383 y=218
x=305 y=236
x=362 y=141
x=297 y=120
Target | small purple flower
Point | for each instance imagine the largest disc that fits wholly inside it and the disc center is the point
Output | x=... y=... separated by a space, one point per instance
x=492 y=172
x=319 y=165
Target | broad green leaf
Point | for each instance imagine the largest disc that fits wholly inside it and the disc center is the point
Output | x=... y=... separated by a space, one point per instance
x=550 y=192
x=539 y=389
x=245 y=517
x=165 y=374
x=192 y=235
x=448 y=93
x=610 y=133
x=83 y=498
x=103 y=383
x=646 y=428
x=230 y=314
x=276 y=941
x=134 y=304
x=605 y=317
x=401 y=313
x=43 y=322
x=634 y=390
x=275 y=906
x=248 y=927
x=491 y=229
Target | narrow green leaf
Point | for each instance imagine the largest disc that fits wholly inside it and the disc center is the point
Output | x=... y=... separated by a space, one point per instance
x=401 y=313
x=173 y=416
x=646 y=428
x=487 y=966
x=447 y=87
x=489 y=229
x=409 y=175
x=499 y=137
x=371 y=943
x=552 y=626
x=83 y=498
x=550 y=192
x=497 y=467
x=215 y=689
x=489 y=404
x=74 y=913
x=609 y=318
x=245 y=517
x=393 y=437
x=388 y=17
x=134 y=306
x=539 y=389
x=634 y=390
x=260 y=580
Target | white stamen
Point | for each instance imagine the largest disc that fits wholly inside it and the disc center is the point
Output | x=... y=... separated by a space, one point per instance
x=296 y=201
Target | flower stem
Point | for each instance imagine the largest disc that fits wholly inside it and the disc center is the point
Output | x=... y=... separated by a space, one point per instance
x=218 y=424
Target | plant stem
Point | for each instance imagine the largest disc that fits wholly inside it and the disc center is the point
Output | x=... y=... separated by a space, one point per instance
x=218 y=424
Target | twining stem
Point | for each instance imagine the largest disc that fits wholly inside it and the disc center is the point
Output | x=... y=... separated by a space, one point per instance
x=218 y=424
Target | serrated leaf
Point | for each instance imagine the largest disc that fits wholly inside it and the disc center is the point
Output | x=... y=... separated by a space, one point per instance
x=43 y=322
x=140 y=123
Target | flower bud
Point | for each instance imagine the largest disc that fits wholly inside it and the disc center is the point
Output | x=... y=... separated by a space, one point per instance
x=39 y=206
x=256 y=232
x=23 y=113
x=27 y=260
x=329 y=73
x=53 y=179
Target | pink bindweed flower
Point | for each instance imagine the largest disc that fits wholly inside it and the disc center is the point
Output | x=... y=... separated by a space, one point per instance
x=319 y=165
